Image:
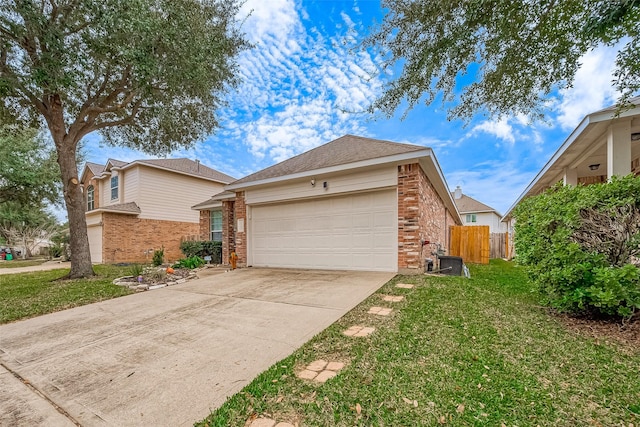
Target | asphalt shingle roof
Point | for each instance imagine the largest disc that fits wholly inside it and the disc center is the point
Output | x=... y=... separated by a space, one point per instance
x=95 y=168
x=190 y=167
x=130 y=207
x=467 y=204
x=186 y=166
x=344 y=150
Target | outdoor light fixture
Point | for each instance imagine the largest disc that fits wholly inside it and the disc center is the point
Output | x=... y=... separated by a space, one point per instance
x=635 y=136
x=594 y=167
x=313 y=182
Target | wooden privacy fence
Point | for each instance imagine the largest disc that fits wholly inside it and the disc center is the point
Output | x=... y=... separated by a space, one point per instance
x=499 y=245
x=471 y=242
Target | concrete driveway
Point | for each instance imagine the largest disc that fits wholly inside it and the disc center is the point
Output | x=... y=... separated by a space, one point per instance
x=166 y=357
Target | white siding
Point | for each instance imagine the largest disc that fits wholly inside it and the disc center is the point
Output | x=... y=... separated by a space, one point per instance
x=336 y=184
x=169 y=196
x=348 y=232
x=487 y=218
x=131 y=185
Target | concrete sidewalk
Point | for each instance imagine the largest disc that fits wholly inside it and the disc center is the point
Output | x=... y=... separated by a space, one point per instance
x=49 y=265
x=169 y=356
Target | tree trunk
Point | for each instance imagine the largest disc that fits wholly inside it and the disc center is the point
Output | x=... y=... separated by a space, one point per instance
x=78 y=239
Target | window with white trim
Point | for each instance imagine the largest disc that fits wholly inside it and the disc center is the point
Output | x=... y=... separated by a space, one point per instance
x=471 y=218
x=114 y=187
x=215 y=220
x=90 y=197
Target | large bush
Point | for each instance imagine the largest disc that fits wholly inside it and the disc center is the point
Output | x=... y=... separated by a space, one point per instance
x=202 y=248
x=580 y=245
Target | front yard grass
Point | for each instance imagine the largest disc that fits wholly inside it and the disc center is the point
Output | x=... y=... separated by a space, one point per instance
x=26 y=295
x=460 y=352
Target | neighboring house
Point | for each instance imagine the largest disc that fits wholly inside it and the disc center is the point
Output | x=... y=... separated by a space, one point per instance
x=134 y=208
x=474 y=212
x=352 y=204
x=603 y=145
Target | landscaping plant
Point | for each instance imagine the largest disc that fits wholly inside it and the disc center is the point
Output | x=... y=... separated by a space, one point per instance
x=581 y=246
x=200 y=248
x=158 y=257
x=190 y=263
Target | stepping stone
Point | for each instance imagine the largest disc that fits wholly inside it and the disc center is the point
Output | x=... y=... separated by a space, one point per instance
x=352 y=330
x=365 y=332
x=335 y=366
x=404 y=286
x=307 y=374
x=359 y=331
x=325 y=375
x=380 y=311
x=262 y=422
x=283 y=424
x=393 y=298
x=317 y=366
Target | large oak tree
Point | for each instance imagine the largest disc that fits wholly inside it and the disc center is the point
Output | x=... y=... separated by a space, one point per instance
x=514 y=53
x=29 y=174
x=146 y=74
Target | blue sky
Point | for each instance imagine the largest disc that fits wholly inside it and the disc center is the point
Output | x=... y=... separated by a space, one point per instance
x=303 y=86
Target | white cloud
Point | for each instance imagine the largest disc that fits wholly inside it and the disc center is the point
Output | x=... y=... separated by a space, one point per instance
x=592 y=88
x=494 y=183
x=300 y=88
x=499 y=128
x=273 y=18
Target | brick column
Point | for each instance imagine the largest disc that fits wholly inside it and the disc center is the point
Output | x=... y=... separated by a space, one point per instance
x=408 y=217
x=228 y=238
x=205 y=225
x=241 y=229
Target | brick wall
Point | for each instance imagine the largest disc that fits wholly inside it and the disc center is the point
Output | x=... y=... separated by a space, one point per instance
x=228 y=236
x=422 y=215
x=241 y=236
x=205 y=225
x=127 y=238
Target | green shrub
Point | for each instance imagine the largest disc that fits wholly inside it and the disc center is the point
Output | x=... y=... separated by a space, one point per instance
x=579 y=245
x=191 y=248
x=136 y=270
x=158 y=257
x=190 y=263
x=202 y=248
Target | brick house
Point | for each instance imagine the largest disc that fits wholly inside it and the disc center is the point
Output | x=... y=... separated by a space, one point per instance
x=134 y=208
x=352 y=204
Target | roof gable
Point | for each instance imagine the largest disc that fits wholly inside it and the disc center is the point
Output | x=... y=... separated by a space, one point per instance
x=344 y=150
x=468 y=204
x=183 y=166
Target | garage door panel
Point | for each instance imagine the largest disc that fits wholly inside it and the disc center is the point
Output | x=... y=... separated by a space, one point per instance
x=355 y=232
x=95 y=243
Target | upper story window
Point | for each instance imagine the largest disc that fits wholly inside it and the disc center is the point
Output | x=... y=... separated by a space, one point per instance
x=114 y=187
x=90 y=198
x=471 y=218
x=216 y=226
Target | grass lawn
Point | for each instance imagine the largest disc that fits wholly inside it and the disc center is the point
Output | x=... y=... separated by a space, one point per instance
x=460 y=352
x=21 y=263
x=33 y=294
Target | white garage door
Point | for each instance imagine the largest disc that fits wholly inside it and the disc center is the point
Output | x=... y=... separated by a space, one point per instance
x=354 y=232
x=95 y=242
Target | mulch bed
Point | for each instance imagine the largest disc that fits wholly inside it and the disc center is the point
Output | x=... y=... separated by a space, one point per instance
x=605 y=331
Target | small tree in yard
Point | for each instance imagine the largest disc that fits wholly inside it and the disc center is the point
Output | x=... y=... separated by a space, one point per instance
x=26 y=226
x=581 y=246
x=146 y=74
